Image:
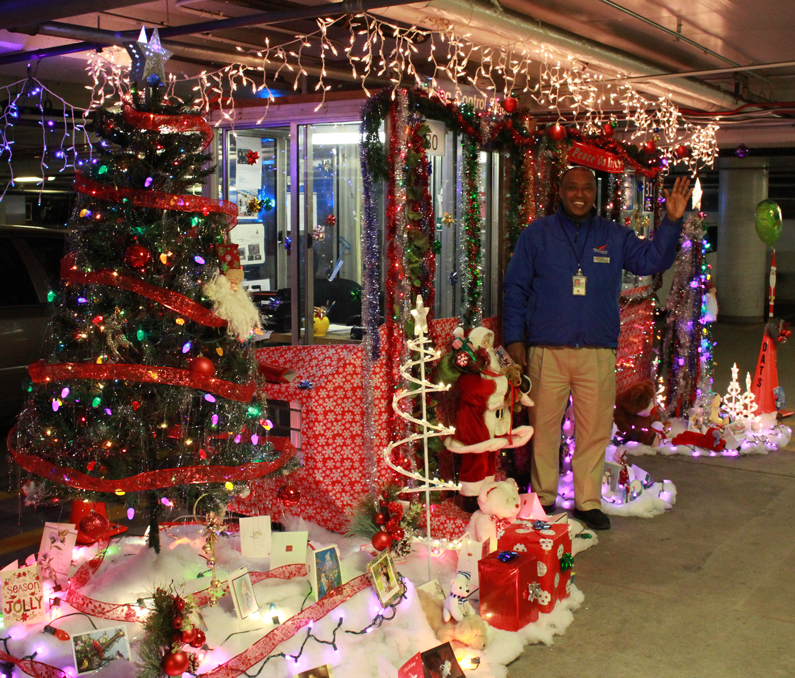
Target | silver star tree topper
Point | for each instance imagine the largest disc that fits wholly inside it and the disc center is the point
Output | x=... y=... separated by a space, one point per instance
x=148 y=59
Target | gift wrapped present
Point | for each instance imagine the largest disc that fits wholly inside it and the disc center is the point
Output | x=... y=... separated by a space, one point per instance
x=550 y=546
x=508 y=589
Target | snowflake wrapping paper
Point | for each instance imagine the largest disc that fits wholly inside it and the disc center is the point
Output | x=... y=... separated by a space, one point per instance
x=547 y=546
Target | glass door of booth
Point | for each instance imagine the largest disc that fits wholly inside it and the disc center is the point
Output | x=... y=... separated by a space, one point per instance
x=328 y=211
x=300 y=249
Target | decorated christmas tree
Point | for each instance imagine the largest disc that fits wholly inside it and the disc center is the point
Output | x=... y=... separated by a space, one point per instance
x=148 y=395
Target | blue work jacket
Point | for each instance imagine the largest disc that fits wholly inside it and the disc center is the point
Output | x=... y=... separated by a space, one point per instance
x=539 y=305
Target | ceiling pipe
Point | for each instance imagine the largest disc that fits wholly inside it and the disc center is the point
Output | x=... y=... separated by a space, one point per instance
x=96 y=38
x=483 y=23
x=259 y=19
x=708 y=71
x=19 y=12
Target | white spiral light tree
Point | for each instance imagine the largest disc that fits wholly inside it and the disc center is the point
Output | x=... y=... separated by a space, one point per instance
x=423 y=429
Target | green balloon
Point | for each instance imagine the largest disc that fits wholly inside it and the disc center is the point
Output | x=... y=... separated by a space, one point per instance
x=767 y=219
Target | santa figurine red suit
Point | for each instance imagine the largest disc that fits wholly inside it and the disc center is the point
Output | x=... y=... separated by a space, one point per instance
x=484 y=418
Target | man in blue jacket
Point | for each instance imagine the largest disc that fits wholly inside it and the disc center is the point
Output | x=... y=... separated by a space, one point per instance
x=561 y=323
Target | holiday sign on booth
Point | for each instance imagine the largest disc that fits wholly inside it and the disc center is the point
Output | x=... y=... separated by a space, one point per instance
x=595 y=158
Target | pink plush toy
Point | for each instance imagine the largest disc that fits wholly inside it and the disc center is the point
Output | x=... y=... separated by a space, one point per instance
x=499 y=506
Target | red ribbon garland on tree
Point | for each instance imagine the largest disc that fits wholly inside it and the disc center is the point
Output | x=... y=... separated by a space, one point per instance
x=168 y=123
x=150 y=480
x=156 y=199
x=151 y=374
x=165 y=297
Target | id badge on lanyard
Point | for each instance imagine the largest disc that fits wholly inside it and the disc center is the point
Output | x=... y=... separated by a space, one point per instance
x=578 y=284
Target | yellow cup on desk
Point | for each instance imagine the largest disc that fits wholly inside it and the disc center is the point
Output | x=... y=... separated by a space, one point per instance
x=321 y=321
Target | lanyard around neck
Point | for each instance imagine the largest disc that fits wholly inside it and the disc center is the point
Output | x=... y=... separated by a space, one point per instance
x=579 y=256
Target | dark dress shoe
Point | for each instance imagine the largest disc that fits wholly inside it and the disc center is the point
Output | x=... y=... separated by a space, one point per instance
x=593 y=518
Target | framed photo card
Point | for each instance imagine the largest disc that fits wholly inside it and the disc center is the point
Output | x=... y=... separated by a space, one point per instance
x=385 y=582
x=96 y=649
x=242 y=591
x=324 y=567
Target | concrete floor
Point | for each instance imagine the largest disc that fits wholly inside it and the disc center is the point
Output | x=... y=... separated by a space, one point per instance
x=706 y=590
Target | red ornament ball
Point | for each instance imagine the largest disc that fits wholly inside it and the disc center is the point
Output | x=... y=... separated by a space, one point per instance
x=94 y=525
x=202 y=365
x=650 y=146
x=137 y=256
x=175 y=663
x=557 y=132
x=510 y=104
x=608 y=130
x=200 y=639
x=189 y=636
x=176 y=623
x=379 y=518
x=381 y=540
x=289 y=495
x=682 y=151
x=179 y=604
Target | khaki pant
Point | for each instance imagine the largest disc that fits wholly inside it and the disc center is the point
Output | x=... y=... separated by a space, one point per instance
x=590 y=375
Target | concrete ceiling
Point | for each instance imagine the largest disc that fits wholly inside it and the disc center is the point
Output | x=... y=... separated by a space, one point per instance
x=649 y=41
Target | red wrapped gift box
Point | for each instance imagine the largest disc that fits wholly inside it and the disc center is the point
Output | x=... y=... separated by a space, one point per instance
x=507 y=599
x=547 y=546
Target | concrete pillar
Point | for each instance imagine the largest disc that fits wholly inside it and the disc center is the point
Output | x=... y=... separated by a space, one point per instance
x=742 y=257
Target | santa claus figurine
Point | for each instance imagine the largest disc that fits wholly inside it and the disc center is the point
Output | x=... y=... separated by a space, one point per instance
x=230 y=299
x=488 y=393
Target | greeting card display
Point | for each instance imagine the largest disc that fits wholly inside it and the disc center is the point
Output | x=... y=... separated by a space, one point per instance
x=324 y=671
x=55 y=551
x=98 y=648
x=242 y=591
x=23 y=597
x=385 y=582
x=288 y=548
x=324 y=571
x=255 y=537
x=440 y=662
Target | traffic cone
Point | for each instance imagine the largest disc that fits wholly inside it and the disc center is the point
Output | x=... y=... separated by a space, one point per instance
x=766 y=377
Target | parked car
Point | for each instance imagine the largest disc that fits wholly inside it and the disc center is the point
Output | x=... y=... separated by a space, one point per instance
x=29 y=268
